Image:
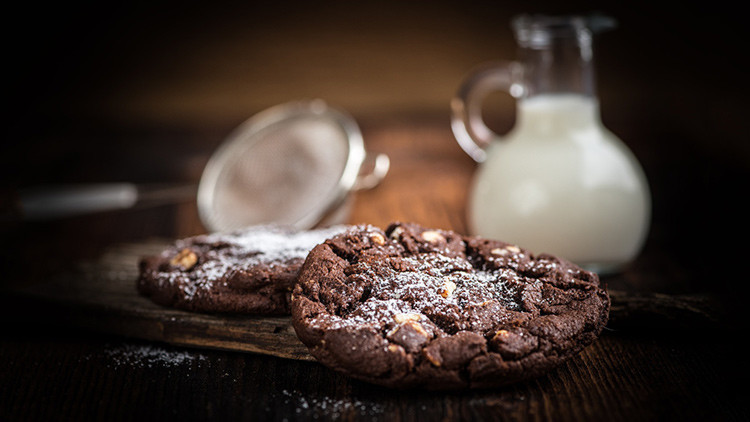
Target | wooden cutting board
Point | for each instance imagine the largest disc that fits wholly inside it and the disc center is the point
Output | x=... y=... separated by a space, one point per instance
x=102 y=296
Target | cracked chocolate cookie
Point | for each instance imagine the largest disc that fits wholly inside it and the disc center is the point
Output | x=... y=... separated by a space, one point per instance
x=248 y=271
x=412 y=307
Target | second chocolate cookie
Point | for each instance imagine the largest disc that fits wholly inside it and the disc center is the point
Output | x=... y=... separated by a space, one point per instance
x=412 y=307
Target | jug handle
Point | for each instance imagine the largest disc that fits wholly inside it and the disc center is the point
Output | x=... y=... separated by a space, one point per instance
x=467 y=124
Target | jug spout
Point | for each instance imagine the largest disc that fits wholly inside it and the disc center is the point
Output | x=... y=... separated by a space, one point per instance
x=557 y=52
x=539 y=31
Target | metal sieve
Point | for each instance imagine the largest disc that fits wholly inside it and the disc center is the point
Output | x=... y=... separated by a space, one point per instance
x=293 y=164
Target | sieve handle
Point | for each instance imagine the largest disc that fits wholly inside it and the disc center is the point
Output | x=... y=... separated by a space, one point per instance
x=378 y=165
x=52 y=202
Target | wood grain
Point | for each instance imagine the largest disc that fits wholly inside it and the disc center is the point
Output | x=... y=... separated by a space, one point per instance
x=101 y=296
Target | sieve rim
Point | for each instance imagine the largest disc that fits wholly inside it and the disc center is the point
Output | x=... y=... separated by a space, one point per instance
x=246 y=134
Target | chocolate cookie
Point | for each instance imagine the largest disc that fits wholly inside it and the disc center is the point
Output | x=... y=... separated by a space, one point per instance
x=248 y=271
x=421 y=308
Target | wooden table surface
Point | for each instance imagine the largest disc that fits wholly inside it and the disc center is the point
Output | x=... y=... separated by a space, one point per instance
x=641 y=371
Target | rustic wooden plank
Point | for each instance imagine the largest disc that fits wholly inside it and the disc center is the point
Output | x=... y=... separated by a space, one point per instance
x=658 y=310
x=102 y=296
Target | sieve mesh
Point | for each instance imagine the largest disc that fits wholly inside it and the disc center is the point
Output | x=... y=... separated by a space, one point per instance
x=280 y=174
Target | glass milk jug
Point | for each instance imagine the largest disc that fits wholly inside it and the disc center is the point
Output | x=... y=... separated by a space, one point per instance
x=559 y=182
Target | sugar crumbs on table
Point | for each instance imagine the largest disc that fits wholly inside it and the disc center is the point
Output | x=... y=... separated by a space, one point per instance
x=335 y=408
x=149 y=356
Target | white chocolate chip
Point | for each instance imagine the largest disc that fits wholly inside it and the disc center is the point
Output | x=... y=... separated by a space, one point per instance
x=401 y=318
x=502 y=334
x=448 y=288
x=499 y=251
x=433 y=359
x=185 y=259
x=418 y=328
x=377 y=239
x=432 y=236
x=396 y=233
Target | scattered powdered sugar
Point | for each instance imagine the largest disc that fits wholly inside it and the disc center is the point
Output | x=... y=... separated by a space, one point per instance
x=422 y=285
x=241 y=250
x=149 y=356
x=328 y=407
x=374 y=312
x=275 y=244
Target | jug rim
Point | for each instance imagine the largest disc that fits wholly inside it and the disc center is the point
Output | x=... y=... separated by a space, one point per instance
x=537 y=30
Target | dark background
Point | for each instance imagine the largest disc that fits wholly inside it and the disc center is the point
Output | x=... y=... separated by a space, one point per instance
x=169 y=63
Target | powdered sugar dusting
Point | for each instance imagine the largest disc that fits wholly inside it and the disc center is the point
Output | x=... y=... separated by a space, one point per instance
x=240 y=250
x=326 y=407
x=149 y=356
x=376 y=313
x=425 y=284
x=275 y=244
